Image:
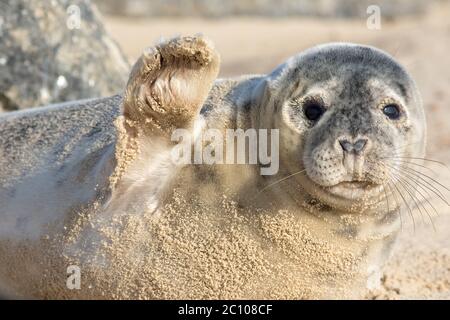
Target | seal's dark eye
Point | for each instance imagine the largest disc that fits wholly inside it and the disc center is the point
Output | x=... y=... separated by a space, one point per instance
x=392 y=111
x=313 y=110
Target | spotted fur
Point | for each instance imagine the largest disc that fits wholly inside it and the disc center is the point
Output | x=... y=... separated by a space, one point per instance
x=57 y=161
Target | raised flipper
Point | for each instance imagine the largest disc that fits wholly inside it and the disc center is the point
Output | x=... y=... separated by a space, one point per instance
x=169 y=84
x=167 y=87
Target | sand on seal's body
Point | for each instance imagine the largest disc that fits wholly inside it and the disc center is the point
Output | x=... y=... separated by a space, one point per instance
x=97 y=188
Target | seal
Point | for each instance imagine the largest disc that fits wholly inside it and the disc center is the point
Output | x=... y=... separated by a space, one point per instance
x=93 y=185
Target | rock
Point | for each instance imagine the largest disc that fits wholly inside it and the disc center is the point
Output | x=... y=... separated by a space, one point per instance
x=54 y=51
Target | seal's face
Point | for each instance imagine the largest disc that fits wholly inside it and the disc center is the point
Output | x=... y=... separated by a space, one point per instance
x=348 y=121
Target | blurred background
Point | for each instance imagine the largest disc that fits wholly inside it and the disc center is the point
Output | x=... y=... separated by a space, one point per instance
x=253 y=36
x=60 y=50
x=267 y=8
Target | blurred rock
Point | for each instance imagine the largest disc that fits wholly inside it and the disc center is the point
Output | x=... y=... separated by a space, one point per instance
x=54 y=51
x=280 y=8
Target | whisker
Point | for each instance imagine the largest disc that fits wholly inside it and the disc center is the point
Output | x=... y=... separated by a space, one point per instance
x=404 y=182
x=407 y=205
x=387 y=200
x=426 y=187
x=397 y=203
x=417 y=158
x=429 y=186
x=425 y=175
x=281 y=180
x=430 y=217
x=415 y=164
x=405 y=145
x=418 y=190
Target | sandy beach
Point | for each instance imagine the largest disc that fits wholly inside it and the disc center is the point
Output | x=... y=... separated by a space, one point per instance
x=420 y=265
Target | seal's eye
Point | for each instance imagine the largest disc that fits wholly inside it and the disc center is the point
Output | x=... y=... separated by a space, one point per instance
x=392 y=111
x=313 y=110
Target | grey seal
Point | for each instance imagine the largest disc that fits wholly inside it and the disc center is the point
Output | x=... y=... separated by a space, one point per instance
x=92 y=184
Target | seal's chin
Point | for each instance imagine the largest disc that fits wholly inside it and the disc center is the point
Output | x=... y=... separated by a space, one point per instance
x=354 y=190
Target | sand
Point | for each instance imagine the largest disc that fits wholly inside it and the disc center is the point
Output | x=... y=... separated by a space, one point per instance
x=197 y=248
x=420 y=265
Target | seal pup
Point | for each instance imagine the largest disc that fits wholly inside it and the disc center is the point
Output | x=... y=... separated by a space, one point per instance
x=93 y=184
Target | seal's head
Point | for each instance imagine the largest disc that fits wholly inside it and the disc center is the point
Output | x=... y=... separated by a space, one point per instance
x=349 y=116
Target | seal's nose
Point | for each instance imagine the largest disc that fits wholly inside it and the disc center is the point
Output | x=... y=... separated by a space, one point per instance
x=353 y=147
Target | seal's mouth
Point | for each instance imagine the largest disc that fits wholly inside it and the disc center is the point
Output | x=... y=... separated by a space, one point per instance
x=356 y=184
x=354 y=189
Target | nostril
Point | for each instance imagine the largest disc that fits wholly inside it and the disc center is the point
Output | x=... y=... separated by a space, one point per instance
x=346 y=145
x=355 y=147
x=359 y=145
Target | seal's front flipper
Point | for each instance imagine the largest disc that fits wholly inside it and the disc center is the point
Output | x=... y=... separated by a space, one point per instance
x=169 y=84
x=166 y=89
